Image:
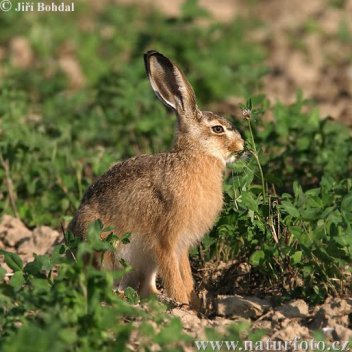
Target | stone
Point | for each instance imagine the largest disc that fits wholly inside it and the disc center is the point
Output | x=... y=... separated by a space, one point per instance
x=246 y=307
x=13 y=231
x=294 y=309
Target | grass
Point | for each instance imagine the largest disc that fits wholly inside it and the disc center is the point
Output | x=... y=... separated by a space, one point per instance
x=288 y=209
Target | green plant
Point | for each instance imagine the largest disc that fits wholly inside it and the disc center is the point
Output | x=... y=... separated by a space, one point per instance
x=68 y=305
x=296 y=231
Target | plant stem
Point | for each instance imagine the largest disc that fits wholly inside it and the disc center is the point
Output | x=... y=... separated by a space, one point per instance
x=255 y=154
x=9 y=185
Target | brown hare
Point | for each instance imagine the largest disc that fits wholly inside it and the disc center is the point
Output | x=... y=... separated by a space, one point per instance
x=168 y=201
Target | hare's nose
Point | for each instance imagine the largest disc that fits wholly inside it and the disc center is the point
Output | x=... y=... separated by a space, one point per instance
x=237 y=145
x=240 y=145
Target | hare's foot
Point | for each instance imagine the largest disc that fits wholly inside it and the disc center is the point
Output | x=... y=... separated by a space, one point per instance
x=148 y=283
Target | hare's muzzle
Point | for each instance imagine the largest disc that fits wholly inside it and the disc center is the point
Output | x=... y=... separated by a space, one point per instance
x=237 y=145
x=241 y=155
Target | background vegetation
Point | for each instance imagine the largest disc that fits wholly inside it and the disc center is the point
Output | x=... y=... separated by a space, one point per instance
x=79 y=101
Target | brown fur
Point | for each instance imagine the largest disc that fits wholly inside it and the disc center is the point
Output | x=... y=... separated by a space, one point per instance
x=167 y=201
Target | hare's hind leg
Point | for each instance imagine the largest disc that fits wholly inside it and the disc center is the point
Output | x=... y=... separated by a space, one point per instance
x=169 y=269
x=186 y=273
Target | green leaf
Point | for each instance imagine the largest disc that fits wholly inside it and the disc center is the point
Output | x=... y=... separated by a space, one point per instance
x=2 y=273
x=249 y=201
x=40 y=285
x=311 y=214
x=131 y=295
x=257 y=257
x=125 y=239
x=296 y=257
x=41 y=262
x=17 y=280
x=346 y=203
x=290 y=209
x=297 y=190
x=68 y=335
x=12 y=260
x=249 y=104
x=172 y=332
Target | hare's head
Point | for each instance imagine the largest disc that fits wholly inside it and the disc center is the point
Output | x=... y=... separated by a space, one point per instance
x=201 y=129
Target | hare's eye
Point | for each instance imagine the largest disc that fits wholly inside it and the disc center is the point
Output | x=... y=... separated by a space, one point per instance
x=218 y=129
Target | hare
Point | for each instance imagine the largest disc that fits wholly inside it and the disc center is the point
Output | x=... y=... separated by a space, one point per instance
x=168 y=201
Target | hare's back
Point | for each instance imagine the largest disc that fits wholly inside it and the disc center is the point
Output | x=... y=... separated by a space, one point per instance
x=135 y=173
x=136 y=188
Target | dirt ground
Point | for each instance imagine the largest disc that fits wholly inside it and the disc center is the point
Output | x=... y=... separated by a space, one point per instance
x=308 y=50
x=281 y=322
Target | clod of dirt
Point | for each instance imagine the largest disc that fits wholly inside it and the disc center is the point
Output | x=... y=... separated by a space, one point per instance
x=21 y=54
x=294 y=309
x=13 y=231
x=291 y=329
x=71 y=67
x=190 y=321
x=334 y=311
x=341 y=333
x=249 y=307
x=40 y=242
x=16 y=237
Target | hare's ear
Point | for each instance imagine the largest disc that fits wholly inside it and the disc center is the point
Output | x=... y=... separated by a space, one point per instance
x=170 y=84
